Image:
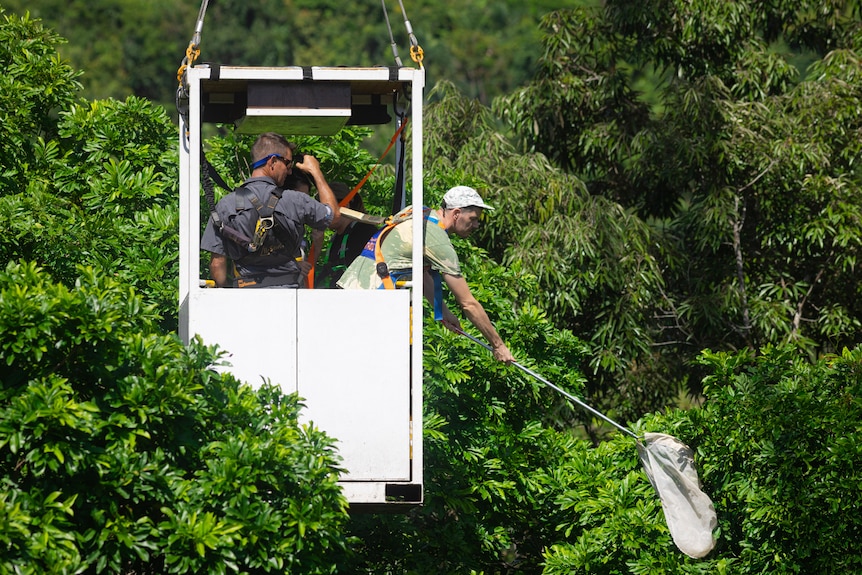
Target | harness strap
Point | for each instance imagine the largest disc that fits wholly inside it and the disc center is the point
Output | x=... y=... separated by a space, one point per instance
x=388 y=278
x=437 y=278
x=265 y=221
x=380 y=264
x=341 y=253
x=208 y=176
x=377 y=241
x=342 y=250
x=265 y=211
x=438 y=294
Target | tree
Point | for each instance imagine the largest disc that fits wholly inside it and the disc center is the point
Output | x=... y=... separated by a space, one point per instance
x=484 y=48
x=552 y=228
x=138 y=46
x=34 y=85
x=741 y=176
x=83 y=182
x=123 y=450
x=775 y=445
x=777 y=221
x=101 y=192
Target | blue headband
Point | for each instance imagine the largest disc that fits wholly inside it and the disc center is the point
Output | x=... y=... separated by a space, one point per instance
x=264 y=160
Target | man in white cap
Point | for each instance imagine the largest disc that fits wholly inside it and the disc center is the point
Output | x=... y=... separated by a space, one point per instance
x=458 y=214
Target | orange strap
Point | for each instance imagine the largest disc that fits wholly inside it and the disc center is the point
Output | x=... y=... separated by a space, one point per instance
x=379 y=262
x=346 y=200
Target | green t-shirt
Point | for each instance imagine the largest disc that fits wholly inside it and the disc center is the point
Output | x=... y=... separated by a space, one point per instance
x=397 y=249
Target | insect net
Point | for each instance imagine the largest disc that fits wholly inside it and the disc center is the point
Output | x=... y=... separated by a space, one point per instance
x=688 y=511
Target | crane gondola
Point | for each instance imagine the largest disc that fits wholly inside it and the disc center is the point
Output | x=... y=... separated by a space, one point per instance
x=361 y=382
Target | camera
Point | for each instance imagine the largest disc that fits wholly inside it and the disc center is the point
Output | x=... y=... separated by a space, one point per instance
x=298 y=157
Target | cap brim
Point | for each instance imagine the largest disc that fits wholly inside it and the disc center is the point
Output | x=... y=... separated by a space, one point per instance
x=472 y=205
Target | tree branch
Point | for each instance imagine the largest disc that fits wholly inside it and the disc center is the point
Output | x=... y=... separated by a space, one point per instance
x=736 y=225
x=797 y=317
x=740 y=268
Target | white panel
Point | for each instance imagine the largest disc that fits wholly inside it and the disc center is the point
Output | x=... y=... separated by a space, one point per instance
x=257 y=327
x=354 y=373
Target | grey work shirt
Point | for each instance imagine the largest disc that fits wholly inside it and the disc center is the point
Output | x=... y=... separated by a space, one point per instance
x=292 y=213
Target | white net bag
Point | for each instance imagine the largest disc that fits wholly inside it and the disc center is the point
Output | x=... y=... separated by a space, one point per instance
x=688 y=511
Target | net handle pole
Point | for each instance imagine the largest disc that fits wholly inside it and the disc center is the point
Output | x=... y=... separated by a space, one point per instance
x=556 y=388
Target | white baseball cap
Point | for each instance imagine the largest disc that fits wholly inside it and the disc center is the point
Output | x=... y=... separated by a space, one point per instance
x=464 y=197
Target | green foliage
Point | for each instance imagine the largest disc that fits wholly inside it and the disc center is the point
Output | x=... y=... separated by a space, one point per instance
x=485 y=48
x=779 y=438
x=719 y=208
x=736 y=177
x=34 y=85
x=610 y=517
x=123 y=450
x=118 y=138
x=342 y=156
x=84 y=183
x=775 y=209
x=101 y=193
x=776 y=448
x=126 y=178
x=138 y=47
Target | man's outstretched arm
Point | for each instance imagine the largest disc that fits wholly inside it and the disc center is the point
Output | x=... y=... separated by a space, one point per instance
x=477 y=316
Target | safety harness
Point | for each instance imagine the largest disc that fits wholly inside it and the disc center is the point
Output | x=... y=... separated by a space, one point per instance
x=264 y=222
x=389 y=279
x=257 y=242
x=241 y=241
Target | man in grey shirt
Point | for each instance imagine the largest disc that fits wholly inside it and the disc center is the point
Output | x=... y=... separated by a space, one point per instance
x=261 y=203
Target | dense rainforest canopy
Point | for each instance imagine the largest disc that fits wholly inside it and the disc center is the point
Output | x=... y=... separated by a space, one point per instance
x=489 y=48
x=678 y=226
